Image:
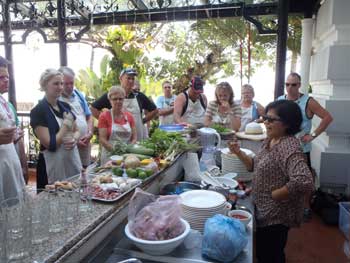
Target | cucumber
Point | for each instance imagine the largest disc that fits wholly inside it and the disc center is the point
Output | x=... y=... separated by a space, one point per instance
x=139 y=156
x=139 y=149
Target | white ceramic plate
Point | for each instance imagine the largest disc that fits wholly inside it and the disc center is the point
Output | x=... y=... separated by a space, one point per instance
x=246 y=151
x=230 y=175
x=202 y=199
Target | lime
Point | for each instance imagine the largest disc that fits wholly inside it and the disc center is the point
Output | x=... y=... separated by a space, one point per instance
x=149 y=172
x=118 y=171
x=131 y=172
x=142 y=175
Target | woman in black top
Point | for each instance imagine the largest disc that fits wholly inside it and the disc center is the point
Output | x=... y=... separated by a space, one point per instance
x=54 y=125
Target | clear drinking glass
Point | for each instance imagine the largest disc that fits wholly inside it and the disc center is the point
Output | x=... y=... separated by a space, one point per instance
x=2 y=236
x=40 y=216
x=18 y=229
x=57 y=211
x=85 y=192
x=72 y=199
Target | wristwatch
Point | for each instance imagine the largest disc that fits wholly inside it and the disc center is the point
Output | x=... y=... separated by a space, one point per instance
x=313 y=135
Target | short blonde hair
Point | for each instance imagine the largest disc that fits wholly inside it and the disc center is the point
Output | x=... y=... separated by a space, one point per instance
x=46 y=76
x=116 y=90
x=225 y=86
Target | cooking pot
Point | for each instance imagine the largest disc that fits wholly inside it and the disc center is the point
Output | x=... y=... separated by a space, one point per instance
x=178 y=188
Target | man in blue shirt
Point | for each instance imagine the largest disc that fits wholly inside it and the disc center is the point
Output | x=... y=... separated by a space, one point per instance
x=165 y=104
x=82 y=112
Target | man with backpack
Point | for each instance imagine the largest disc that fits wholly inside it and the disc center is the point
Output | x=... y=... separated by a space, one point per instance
x=82 y=112
x=190 y=105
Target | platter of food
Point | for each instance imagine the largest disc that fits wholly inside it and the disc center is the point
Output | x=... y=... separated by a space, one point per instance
x=107 y=187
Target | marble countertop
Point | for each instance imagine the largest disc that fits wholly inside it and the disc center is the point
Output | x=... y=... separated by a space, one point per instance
x=76 y=234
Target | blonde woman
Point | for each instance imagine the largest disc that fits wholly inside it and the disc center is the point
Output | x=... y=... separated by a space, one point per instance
x=54 y=125
x=251 y=110
x=115 y=124
x=223 y=110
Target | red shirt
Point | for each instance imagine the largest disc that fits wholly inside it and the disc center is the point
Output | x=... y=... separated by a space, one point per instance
x=105 y=121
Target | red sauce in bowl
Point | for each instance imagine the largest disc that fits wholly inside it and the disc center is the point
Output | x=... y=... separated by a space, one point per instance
x=239 y=216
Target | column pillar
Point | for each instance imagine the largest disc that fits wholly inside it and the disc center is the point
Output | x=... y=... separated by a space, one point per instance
x=305 y=53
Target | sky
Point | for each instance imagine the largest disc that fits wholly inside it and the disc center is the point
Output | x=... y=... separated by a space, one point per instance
x=31 y=59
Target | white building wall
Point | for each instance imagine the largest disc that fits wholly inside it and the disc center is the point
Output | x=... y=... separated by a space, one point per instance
x=330 y=80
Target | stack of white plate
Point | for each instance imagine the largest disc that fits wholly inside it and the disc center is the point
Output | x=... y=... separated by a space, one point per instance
x=231 y=163
x=199 y=205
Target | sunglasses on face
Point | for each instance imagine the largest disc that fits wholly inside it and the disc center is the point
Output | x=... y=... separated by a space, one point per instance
x=291 y=84
x=270 y=119
x=116 y=99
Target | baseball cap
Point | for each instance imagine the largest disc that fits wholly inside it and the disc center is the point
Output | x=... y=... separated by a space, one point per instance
x=128 y=71
x=197 y=84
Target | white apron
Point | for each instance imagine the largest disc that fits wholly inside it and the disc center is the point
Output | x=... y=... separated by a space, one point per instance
x=247 y=117
x=222 y=119
x=118 y=132
x=132 y=106
x=82 y=125
x=11 y=175
x=62 y=163
x=194 y=112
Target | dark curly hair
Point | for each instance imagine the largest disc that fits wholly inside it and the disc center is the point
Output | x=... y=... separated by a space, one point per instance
x=289 y=113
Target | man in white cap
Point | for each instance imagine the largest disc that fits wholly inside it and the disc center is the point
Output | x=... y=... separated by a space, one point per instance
x=135 y=102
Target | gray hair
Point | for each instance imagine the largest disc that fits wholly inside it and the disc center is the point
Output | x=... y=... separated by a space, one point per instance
x=67 y=71
x=116 y=89
x=46 y=76
x=248 y=87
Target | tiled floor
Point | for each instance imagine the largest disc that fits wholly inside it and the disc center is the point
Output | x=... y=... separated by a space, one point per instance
x=313 y=242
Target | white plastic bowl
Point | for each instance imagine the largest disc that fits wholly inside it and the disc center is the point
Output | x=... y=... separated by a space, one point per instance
x=231 y=183
x=116 y=158
x=160 y=247
x=241 y=213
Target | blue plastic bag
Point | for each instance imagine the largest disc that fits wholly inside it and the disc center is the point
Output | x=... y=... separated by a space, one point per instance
x=224 y=238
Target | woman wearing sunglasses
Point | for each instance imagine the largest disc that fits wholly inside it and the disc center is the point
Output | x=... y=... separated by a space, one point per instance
x=281 y=179
x=115 y=124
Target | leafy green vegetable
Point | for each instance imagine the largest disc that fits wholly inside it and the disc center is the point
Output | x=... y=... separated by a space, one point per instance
x=165 y=143
x=119 y=147
x=219 y=128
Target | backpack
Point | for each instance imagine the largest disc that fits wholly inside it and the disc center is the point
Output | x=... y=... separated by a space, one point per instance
x=326 y=206
x=201 y=100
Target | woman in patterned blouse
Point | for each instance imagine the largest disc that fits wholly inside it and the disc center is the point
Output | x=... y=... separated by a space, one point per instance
x=281 y=179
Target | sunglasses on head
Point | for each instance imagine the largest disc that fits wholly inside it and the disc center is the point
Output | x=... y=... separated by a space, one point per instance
x=291 y=84
x=270 y=119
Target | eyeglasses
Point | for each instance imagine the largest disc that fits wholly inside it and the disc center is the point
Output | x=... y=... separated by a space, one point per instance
x=167 y=87
x=116 y=99
x=291 y=84
x=4 y=77
x=270 y=119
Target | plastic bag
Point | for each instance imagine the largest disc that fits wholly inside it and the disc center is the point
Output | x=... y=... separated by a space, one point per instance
x=155 y=219
x=224 y=238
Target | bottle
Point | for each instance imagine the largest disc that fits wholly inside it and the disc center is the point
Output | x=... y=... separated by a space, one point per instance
x=83 y=177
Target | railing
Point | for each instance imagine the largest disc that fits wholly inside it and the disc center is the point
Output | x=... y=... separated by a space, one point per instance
x=31 y=143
